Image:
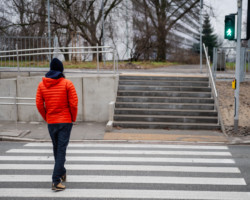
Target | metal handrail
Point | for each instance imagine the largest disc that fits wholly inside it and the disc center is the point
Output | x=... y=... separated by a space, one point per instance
x=210 y=72
x=17 y=98
x=97 y=50
x=52 y=48
x=47 y=53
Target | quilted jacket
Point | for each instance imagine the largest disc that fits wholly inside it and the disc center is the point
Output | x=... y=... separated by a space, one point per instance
x=56 y=100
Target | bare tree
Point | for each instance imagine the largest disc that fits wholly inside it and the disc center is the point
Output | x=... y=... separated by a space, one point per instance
x=31 y=17
x=83 y=17
x=163 y=16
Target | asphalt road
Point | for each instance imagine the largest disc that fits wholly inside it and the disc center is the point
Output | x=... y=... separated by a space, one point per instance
x=127 y=171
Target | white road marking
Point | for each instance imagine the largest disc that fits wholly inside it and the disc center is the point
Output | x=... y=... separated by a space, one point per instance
x=128 y=179
x=119 y=159
x=143 y=152
x=133 y=146
x=123 y=168
x=123 y=193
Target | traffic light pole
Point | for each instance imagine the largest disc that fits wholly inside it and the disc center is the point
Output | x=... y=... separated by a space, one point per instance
x=237 y=70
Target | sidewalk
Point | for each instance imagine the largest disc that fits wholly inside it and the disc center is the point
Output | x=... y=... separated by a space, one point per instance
x=86 y=131
x=92 y=131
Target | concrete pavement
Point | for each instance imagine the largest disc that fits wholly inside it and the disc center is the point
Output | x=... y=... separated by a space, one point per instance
x=96 y=131
x=92 y=131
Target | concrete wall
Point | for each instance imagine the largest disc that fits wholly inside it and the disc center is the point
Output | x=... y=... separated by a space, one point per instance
x=94 y=94
x=7 y=89
x=26 y=87
x=98 y=91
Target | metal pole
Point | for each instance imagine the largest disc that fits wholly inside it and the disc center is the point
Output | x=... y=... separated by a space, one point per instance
x=16 y=106
x=127 y=29
x=248 y=55
x=201 y=6
x=103 y=36
x=114 y=60
x=237 y=70
x=216 y=62
x=97 y=58
x=213 y=67
x=117 y=66
x=242 y=65
x=9 y=49
x=49 y=30
x=17 y=57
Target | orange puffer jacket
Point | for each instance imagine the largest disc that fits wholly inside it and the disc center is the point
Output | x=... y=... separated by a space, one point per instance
x=56 y=100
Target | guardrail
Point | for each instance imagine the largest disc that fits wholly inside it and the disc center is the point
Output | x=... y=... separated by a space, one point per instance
x=19 y=53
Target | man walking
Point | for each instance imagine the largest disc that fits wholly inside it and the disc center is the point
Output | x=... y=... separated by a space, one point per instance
x=56 y=100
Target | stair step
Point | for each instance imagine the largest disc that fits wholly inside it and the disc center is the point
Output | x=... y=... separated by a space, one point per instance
x=137 y=111
x=163 y=83
x=164 y=99
x=164 y=118
x=164 y=93
x=165 y=102
x=163 y=78
x=167 y=125
x=163 y=88
x=165 y=105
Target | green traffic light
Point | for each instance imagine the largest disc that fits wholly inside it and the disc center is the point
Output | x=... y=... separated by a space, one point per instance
x=229 y=32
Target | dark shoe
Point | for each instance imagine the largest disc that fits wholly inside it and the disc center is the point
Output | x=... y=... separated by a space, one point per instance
x=63 y=177
x=58 y=187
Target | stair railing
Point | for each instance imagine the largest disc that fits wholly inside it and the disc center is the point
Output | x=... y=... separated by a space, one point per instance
x=214 y=91
x=211 y=78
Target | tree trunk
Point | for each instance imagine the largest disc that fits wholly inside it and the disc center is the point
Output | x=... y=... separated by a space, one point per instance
x=66 y=55
x=161 y=47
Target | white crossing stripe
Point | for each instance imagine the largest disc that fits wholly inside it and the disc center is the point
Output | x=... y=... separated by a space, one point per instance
x=143 y=152
x=122 y=193
x=99 y=159
x=124 y=168
x=127 y=179
x=119 y=159
x=150 y=146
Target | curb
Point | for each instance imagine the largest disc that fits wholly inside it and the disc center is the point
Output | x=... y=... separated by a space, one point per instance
x=13 y=139
x=231 y=141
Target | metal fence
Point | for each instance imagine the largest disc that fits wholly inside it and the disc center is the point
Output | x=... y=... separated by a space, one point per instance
x=14 y=58
x=19 y=51
x=224 y=59
x=10 y=43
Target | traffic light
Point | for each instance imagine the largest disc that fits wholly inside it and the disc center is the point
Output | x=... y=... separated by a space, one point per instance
x=229 y=27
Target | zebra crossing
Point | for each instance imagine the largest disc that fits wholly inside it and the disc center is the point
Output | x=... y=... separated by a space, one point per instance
x=124 y=171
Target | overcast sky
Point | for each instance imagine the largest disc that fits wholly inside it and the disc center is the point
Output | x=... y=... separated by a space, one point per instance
x=222 y=8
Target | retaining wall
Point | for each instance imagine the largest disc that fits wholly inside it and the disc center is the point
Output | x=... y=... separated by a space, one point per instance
x=94 y=94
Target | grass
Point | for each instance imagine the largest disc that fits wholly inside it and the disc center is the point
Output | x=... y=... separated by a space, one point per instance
x=230 y=65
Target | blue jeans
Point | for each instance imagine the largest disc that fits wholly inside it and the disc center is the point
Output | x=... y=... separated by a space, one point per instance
x=60 y=134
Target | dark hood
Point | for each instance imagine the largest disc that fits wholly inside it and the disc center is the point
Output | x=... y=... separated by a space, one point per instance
x=54 y=74
x=49 y=82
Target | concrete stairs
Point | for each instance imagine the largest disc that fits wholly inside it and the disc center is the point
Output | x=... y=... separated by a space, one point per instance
x=159 y=102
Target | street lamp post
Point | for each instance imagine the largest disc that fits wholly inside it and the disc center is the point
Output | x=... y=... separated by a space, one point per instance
x=201 y=6
x=49 y=30
x=103 y=36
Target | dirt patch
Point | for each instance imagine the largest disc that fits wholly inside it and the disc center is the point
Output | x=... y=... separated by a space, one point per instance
x=226 y=101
